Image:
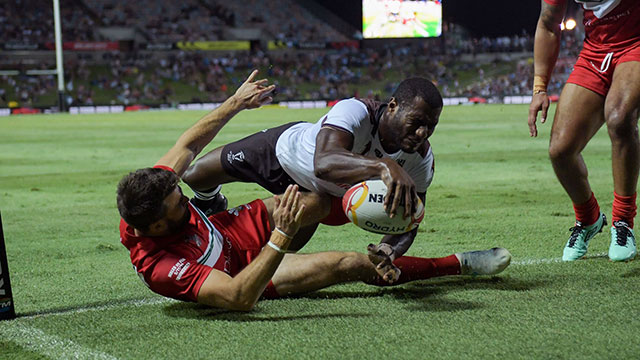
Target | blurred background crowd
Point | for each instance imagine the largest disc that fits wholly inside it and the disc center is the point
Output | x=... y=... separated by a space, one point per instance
x=303 y=68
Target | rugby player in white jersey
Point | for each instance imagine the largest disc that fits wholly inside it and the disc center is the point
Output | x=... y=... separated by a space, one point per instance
x=233 y=258
x=355 y=141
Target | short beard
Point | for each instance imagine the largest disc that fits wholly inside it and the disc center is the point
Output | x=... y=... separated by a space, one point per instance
x=177 y=226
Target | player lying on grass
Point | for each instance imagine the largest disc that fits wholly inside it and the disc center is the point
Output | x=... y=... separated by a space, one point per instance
x=231 y=259
x=355 y=141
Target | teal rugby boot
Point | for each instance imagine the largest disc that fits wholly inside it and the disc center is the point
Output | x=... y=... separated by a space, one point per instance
x=578 y=242
x=623 y=242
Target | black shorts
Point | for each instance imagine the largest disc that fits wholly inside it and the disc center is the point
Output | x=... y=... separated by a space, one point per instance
x=253 y=159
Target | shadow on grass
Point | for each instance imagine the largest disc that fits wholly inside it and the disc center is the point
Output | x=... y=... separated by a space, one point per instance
x=428 y=296
x=202 y=312
x=632 y=273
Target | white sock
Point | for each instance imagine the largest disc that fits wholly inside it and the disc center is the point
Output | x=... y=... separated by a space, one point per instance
x=207 y=195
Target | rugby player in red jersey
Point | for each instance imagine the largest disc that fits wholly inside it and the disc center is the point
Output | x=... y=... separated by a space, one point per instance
x=604 y=88
x=232 y=258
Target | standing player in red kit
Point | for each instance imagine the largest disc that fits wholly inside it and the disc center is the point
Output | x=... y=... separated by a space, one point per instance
x=604 y=88
x=232 y=258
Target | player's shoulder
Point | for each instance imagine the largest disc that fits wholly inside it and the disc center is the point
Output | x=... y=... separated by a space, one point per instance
x=351 y=105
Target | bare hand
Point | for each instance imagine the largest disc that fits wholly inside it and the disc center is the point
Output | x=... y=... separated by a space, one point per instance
x=252 y=94
x=400 y=189
x=539 y=102
x=288 y=212
x=382 y=257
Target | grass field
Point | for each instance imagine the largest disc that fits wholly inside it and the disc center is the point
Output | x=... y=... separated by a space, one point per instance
x=77 y=295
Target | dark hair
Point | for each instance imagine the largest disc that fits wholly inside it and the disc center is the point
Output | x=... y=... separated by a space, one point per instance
x=417 y=86
x=141 y=196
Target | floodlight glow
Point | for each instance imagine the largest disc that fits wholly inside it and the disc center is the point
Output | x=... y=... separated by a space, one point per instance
x=570 y=24
x=562 y=25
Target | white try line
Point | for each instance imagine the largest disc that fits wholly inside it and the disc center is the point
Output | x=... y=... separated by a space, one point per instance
x=36 y=340
x=550 y=261
x=108 y=306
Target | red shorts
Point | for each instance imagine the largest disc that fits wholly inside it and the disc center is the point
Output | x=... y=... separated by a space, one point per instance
x=594 y=69
x=248 y=229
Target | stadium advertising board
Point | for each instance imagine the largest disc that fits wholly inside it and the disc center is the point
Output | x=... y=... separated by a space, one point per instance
x=312 y=45
x=214 y=45
x=401 y=19
x=86 y=45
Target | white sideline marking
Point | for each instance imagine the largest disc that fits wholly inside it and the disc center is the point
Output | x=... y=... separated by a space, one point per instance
x=550 y=261
x=36 y=340
x=113 y=305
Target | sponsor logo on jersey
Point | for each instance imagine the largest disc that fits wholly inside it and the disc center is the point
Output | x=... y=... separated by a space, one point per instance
x=401 y=162
x=239 y=156
x=184 y=269
x=378 y=153
x=178 y=268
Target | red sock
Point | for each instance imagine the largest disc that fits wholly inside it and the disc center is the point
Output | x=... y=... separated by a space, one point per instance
x=587 y=213
x=415 y=268
x=624 y=208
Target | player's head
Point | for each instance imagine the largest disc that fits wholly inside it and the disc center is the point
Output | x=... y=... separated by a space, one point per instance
x=151 y=201
x=412 y=114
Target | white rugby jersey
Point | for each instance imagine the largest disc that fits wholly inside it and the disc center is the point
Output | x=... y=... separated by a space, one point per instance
x=296 y=146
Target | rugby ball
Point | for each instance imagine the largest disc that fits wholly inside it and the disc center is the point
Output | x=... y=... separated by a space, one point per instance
x=364 y=206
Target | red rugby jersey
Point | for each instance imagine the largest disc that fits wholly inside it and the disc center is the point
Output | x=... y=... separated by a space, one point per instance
x=176 y=266
x=609 y=24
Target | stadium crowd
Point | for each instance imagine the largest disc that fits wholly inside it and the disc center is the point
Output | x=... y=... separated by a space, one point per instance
x=300 y=75
x=30 y=21
x=133 y=77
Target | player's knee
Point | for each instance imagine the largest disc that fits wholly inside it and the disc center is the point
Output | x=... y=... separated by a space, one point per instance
x=190 y=175
x=318 y=206
x=622 y=124
x=198 y=178
x=351 y=265
x=558 y=151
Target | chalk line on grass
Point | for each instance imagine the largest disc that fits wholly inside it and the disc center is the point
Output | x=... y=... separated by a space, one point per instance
x=551 y=260
x=36 y=340
x=108 y=306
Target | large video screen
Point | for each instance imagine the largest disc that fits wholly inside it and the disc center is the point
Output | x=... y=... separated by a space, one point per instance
x=401 y=19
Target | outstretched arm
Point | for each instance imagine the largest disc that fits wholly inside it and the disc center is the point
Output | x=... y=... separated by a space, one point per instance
x=334 y=161
x=251 y=94
x=545 y=53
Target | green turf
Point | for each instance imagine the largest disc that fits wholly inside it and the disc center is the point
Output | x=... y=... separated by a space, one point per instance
x=77 y=296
